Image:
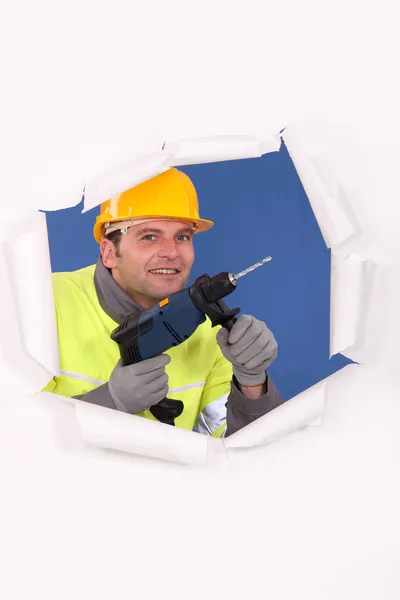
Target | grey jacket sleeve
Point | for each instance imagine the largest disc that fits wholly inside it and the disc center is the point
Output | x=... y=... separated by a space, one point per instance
x=241 y=410
x=100 y=396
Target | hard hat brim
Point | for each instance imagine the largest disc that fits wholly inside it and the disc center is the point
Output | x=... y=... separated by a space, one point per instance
x=201 y=224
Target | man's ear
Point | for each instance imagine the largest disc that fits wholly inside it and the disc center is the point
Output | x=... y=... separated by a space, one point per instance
x=108 y=253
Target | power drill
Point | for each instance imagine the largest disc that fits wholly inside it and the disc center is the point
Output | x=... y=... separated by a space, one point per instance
x=172 y=321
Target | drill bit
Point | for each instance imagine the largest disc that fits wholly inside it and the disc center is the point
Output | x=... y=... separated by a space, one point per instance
x=261 y=262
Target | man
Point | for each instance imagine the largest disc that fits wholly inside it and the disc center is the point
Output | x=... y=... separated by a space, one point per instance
x=146 y=254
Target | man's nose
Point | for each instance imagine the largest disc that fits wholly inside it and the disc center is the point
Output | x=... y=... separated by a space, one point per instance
x=168 y=249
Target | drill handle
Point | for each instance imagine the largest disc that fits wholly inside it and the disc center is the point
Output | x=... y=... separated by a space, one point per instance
x=220 y=314
x=127 y=336
x=229 y=324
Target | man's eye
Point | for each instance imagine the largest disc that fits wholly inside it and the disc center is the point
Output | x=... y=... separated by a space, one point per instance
x=148 y=237
x=183 y=237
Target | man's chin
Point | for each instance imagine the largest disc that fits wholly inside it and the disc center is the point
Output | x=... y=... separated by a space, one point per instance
x=166 y=288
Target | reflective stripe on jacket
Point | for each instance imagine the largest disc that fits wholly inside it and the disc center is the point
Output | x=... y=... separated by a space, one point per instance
x=198 y=373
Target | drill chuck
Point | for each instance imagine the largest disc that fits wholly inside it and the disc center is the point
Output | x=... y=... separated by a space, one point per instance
x=219 y=286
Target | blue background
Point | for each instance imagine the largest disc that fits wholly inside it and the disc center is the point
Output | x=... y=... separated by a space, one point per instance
x=259 y=208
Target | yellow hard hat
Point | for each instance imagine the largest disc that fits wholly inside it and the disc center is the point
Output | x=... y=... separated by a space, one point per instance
x=170 y=195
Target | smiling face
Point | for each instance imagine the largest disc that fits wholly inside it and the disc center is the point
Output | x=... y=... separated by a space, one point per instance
x=153 y=261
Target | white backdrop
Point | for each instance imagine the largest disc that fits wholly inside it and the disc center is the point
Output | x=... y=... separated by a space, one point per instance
x=303 y=503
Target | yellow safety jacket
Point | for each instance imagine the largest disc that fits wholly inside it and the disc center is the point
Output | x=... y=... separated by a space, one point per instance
x=199 y=374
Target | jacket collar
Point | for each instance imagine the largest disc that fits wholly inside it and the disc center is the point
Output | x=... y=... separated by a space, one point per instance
x=113 y=300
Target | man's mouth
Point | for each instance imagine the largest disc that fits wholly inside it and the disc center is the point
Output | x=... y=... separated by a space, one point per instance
x=164 y=271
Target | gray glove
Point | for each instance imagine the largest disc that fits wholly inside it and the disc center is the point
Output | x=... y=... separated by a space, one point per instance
x=136 y=387
x=250 y=347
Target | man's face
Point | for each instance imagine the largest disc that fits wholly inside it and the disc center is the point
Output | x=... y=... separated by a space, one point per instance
x=145 y=253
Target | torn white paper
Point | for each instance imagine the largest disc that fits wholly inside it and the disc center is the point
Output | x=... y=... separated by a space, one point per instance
x=306 y=409
x=329 y=202
x=338 y=474
x=219 y=148
x=106 y=428
x=28 y=332
x=28 y=257
x=72 y=112
x=326 y=510
x=178 y=153
x=349 y=275
x=123 y=178
x=17 y=366
x=379 y=316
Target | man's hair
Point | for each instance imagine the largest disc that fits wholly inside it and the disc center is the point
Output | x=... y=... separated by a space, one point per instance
x=115 y=238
